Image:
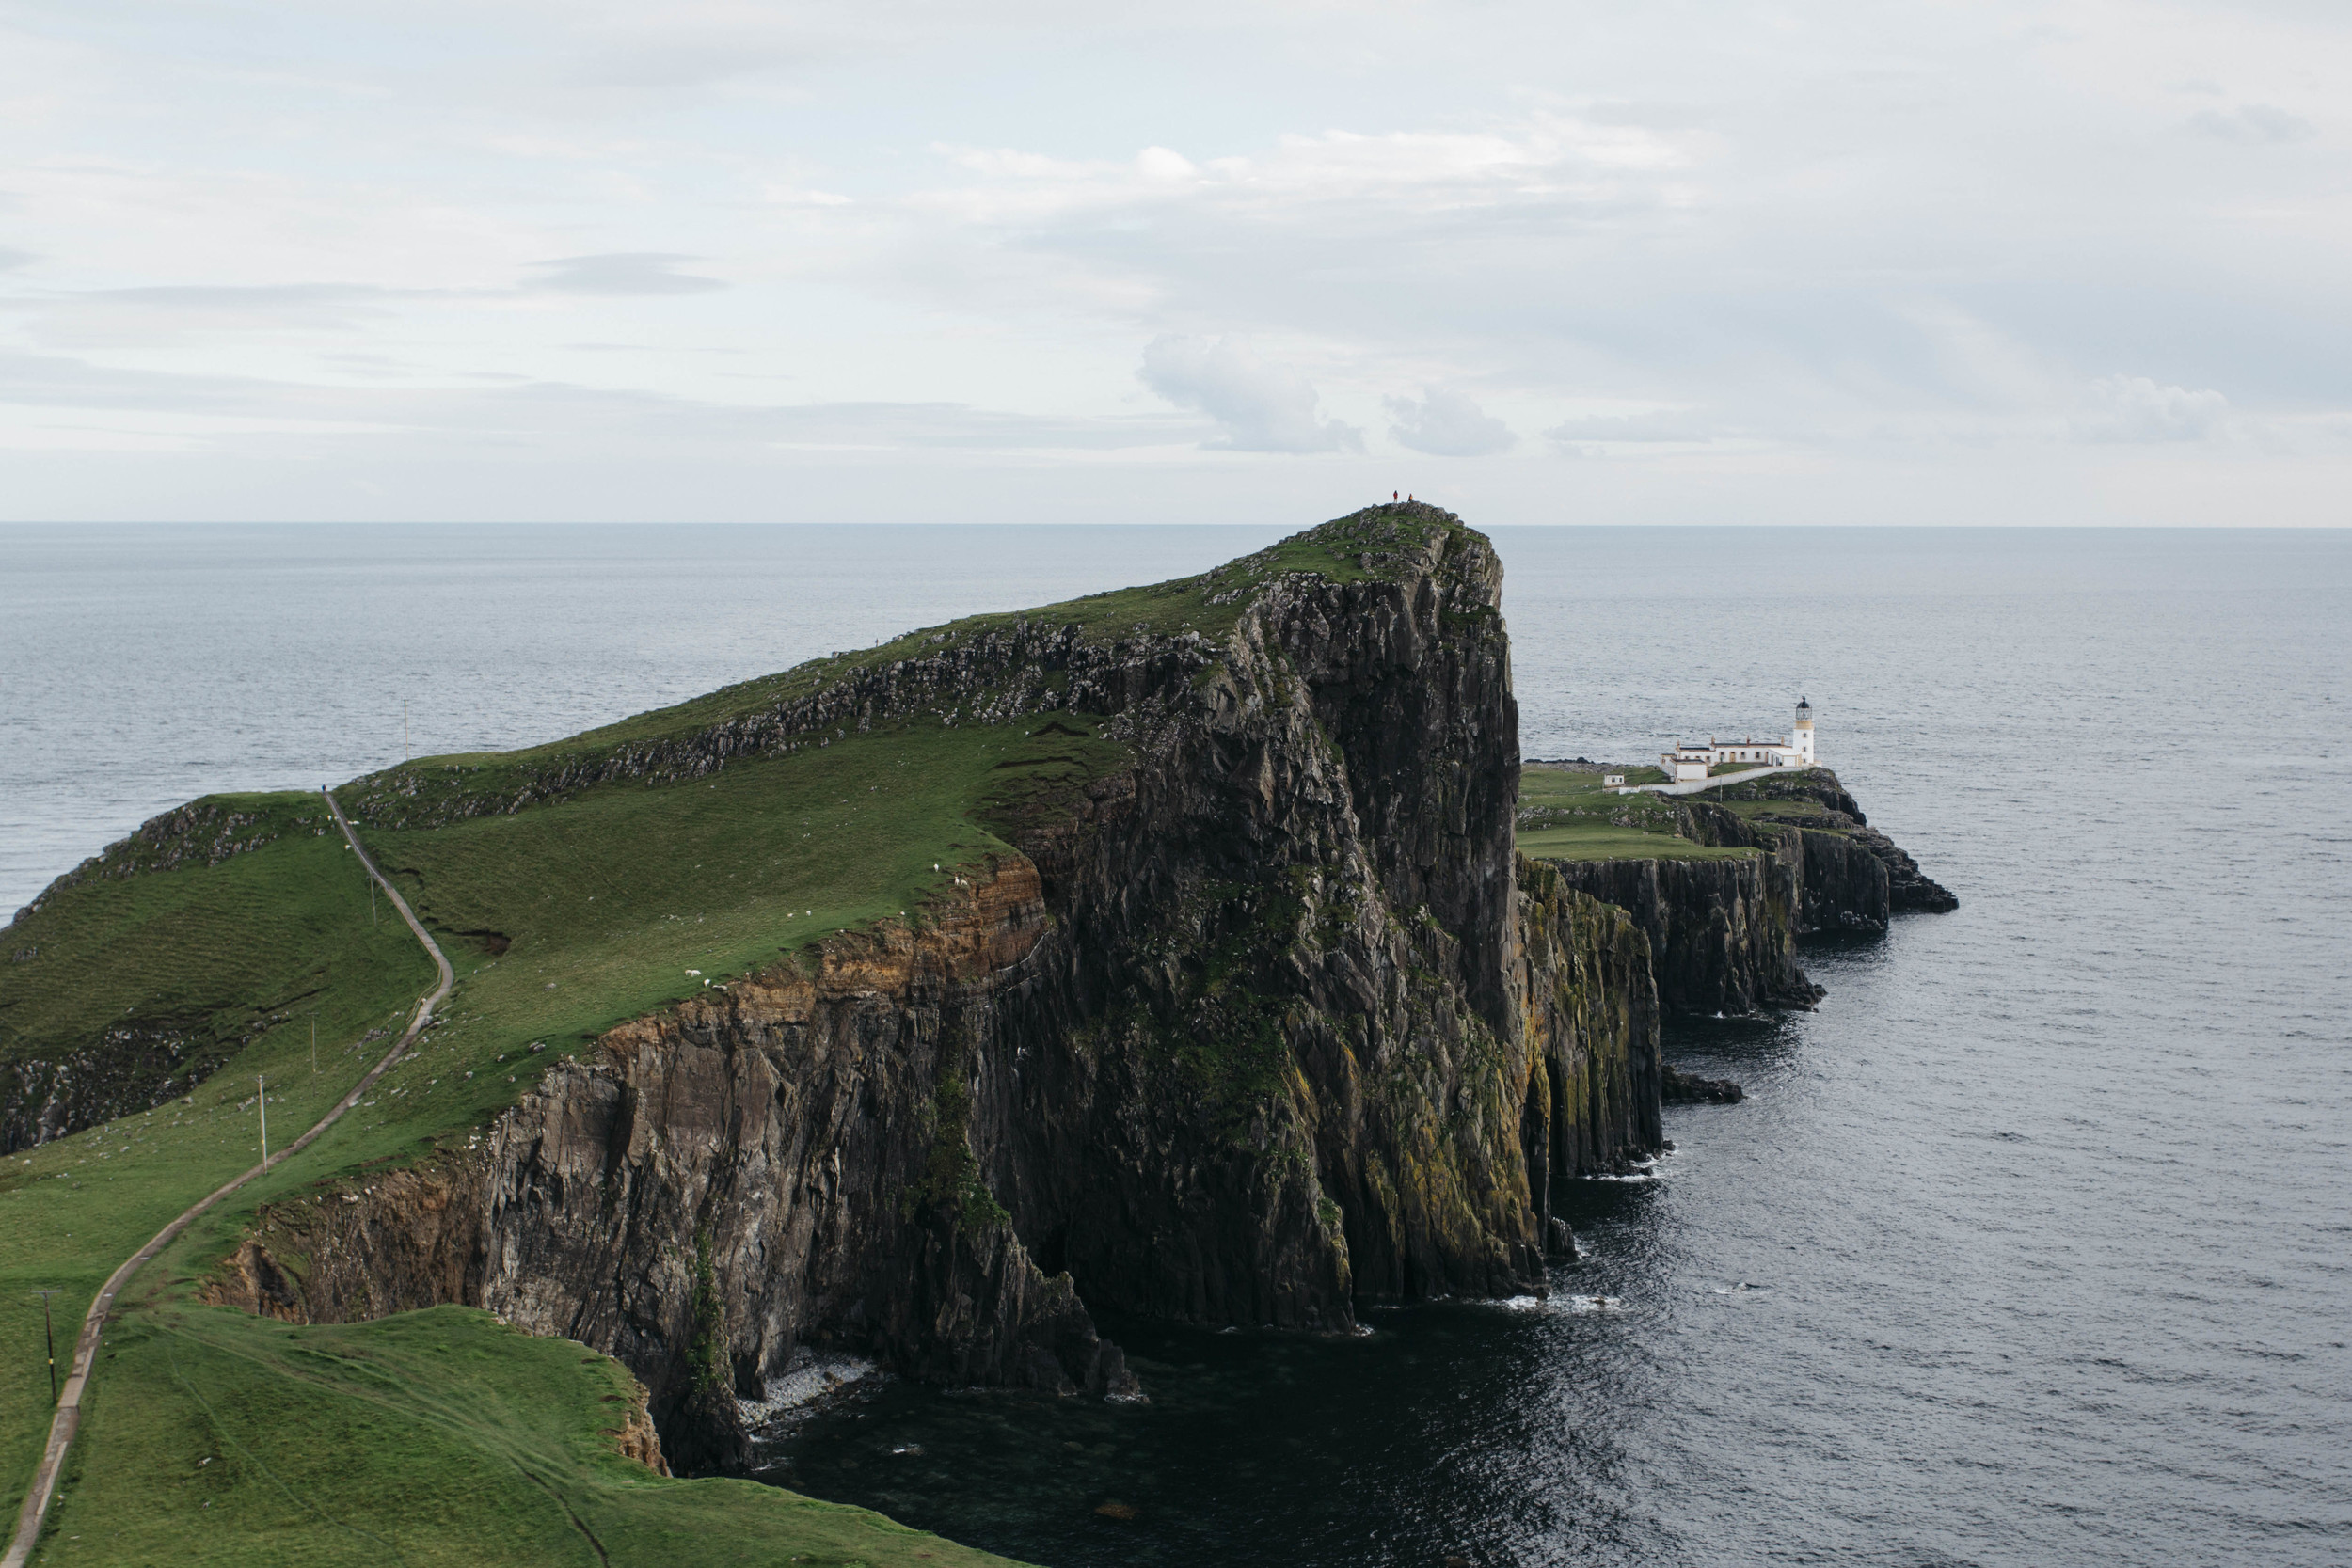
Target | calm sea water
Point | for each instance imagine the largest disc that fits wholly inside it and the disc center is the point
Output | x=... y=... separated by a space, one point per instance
x=2033 y=1246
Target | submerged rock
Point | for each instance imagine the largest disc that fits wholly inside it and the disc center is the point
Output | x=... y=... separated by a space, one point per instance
x=1684 y=1088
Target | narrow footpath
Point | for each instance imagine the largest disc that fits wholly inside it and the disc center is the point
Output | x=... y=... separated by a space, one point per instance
x=1698 y=786
x=69 y=1418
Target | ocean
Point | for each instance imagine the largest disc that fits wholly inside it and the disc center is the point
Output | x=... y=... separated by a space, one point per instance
x=2033 y=1244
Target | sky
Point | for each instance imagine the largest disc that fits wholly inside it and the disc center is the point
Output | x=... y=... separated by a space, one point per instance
x=1630 y=261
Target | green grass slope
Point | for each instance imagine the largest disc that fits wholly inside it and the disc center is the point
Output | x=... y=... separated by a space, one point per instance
x=435 y=1437
x=602 y=907
x=617 y=902
x=293 y=920
x=211 y=956
x=1564 y=815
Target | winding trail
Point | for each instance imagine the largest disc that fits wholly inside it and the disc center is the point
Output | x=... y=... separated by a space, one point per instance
x=69 y=1418
x=1698 y=786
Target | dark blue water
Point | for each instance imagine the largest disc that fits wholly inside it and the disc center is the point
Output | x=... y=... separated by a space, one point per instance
x=2033 y=1246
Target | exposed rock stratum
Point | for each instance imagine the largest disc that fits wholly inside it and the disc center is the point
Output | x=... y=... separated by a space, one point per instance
x=1266 y=1024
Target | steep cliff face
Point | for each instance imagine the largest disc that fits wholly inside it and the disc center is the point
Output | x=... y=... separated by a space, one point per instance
x=1849 y=875
x=1265 y=1024
x=1723 y=932
x=1834 y=883
x=782 y=1162
x=1591 y=994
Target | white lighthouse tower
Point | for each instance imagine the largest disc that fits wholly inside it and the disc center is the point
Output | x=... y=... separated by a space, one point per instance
x=1801 y=738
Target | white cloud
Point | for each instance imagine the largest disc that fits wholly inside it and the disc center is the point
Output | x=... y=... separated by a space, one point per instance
x=550 y=418
x=1805 y=239
x=621 y=273
x=2132 y=408
x=2255 y=123
x=1531 y=158
x=1164 y=165
x=1608 y=429
x=1445 y=423
x=1258 y=407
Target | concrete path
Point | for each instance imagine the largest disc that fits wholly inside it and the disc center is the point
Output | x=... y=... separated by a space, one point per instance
x=1693 y=787
x=69 y=1416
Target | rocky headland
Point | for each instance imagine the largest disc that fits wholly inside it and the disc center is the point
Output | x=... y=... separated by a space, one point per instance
x=1264 y=1024
x=1724 y=931
x=1265 y=1021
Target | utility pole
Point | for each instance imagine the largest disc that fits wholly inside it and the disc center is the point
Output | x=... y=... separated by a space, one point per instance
x=50 y=1331
x=264 y=1107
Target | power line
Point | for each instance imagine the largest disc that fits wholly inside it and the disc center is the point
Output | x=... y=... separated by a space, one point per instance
x=48 y=1329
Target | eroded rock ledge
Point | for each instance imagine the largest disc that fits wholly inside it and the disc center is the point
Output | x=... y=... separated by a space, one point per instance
x=1724 y=933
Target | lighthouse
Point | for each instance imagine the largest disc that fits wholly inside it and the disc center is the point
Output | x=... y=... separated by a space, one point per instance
x=1801 y=738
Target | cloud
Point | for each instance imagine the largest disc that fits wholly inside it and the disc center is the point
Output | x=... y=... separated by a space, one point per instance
x=682 y=62
x=1629 y=427
x=1579 y=436
x=552 y=415
x=11 y=257
x=2254 y=124
x=2132 y=408
x=148 y=317
x=1536 y=161
x=1262 y=407
x=898 y=425
x=626 y=272
x=1447 y=424
x=1800 y=241
x=1166 y=165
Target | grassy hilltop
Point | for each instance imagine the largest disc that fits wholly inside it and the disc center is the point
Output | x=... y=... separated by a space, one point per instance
x=234 y=929
x=1565 y=815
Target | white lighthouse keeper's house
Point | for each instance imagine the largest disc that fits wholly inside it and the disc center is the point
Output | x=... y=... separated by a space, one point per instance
x=1688 y=762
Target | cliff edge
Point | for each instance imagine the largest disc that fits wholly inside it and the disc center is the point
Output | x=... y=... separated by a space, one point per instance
x=1237 y=1006
x=1724 y=885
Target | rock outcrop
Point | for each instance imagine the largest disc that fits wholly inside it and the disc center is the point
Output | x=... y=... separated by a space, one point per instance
x=1853 y=876
x=1722 y=933
x=1689 y=1088
x=129 y=1066
x=1266 y=1024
